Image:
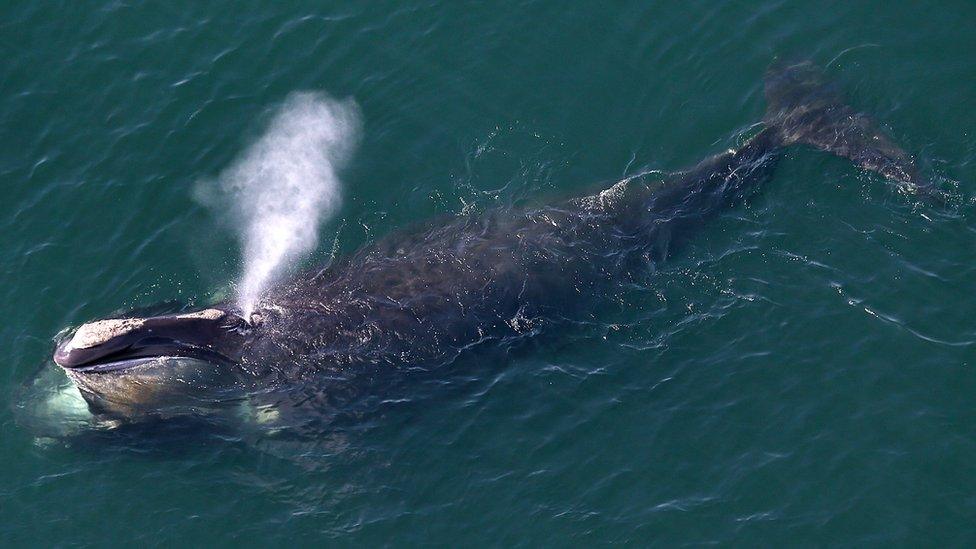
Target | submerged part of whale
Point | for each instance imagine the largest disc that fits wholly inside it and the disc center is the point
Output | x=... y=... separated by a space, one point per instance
x=416 y=299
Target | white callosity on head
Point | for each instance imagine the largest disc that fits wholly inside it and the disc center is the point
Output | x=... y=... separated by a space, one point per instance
x=206 y=314
x=285 y=185
x=100 y=331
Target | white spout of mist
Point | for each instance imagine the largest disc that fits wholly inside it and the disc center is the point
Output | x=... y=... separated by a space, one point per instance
x=286 y=184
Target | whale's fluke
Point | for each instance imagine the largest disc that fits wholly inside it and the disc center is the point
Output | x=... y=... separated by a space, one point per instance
x=804 y=108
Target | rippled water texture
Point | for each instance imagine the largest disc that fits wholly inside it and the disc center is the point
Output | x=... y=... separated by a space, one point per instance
x=801 y=373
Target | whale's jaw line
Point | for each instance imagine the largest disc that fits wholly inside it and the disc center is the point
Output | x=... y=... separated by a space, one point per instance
x=118 y=365
x=124 y=364
x=141 y=354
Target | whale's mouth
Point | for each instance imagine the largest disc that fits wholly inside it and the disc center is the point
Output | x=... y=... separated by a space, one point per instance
x=112 y=345
x=139 y=355
x=133 y=365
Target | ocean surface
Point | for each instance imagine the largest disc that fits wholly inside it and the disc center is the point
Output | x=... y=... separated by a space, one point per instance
x=802 y=373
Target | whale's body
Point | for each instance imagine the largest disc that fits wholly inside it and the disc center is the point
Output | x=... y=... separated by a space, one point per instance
x=420 y=297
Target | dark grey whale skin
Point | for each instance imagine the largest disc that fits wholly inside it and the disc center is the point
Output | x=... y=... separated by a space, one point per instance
x=424 y=296
x=416 y=299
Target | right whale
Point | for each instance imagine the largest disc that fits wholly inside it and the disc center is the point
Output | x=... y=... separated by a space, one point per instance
x=418 y=298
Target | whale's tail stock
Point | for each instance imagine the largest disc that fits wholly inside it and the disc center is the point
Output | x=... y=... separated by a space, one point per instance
x=804 y=108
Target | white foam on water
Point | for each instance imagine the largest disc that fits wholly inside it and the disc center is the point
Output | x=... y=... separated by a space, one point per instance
x=285 y=185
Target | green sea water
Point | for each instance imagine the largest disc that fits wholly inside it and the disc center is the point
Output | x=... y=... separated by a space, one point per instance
x=802 y=373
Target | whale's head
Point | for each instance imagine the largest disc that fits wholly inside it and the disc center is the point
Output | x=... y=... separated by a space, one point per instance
x=141 y=364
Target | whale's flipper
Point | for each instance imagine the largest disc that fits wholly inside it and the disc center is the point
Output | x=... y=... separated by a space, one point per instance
x=803 y=108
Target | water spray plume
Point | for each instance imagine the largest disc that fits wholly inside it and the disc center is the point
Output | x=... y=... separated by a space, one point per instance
x=285 y=185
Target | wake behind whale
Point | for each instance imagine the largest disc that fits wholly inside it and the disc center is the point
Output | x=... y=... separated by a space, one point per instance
x=419 y=298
